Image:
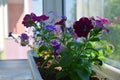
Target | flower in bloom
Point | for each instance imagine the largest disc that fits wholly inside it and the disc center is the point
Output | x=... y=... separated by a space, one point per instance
x=50 y=27
x=104 y=20
x=42 y=18
x=30 y=18
x=83 y=27
x=100 y=23
x=34 y=17
x=56 y=46
x=24 y=39
x=62 y=21
x=26 y=20
x=24 y=36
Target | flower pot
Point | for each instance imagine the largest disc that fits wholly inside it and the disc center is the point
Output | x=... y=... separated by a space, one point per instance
x=35 y=72
x=39 y=74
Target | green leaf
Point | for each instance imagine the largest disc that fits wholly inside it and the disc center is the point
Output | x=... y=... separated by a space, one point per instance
x=83 y=73
x=60 y=75
x=94 y=39
x=74 y=76
x=42 y=48
x=89 y=45
x=72 y=45
x=65 y=61
x=45 y=32
x=32 y=24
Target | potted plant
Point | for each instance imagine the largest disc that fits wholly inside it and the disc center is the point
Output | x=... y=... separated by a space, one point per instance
x=66 y=52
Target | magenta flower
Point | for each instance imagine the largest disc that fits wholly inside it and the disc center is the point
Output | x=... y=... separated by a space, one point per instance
x=42 y=18
x=83 y=27
x=62 y=21
x=100 y=22
x=26 y=20
x=104 y=20
x=34 y=17
x=30 y=19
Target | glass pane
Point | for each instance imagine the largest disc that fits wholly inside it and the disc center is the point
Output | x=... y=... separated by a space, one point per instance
x=15 y=16
x=112 y=11
x=104 y=8
x=37 y=6
x=70 y=11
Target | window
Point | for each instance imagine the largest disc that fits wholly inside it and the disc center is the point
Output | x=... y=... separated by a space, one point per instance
x=112 y=11
x=70 y=11
x=37 y=7
x=104 y=8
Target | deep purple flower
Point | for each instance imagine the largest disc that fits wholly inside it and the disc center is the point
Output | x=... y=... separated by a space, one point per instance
x=42 y=18
x=24 y=39
x=26 y=20
x=83 y=27
x=34 y=17
x=62 y=21
x=69 y=28
x=50 y=27
x=56 y=46
x=29 y=18
x=24 y=36
x=56 y=53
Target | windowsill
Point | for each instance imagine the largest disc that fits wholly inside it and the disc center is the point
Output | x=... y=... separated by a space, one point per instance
x=108 y=72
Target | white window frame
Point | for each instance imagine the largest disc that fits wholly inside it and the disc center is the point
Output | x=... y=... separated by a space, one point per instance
x=107 y=71
x=2 y=26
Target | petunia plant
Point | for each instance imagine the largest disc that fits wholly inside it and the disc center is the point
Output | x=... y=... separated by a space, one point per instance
x=73 y=49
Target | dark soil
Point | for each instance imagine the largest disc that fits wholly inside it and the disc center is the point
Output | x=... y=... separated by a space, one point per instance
x=51 y=76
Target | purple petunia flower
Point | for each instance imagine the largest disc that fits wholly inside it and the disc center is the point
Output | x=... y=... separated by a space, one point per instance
x=104 y=20
x=56 y=46
x=26 y=20
x=83 y=27
x=100 y=22
x=24 y=39
x=50 y=27
x=62 y=21
x=42 y=18
x=34 y=17
x=24 y=36
x=29 y=18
